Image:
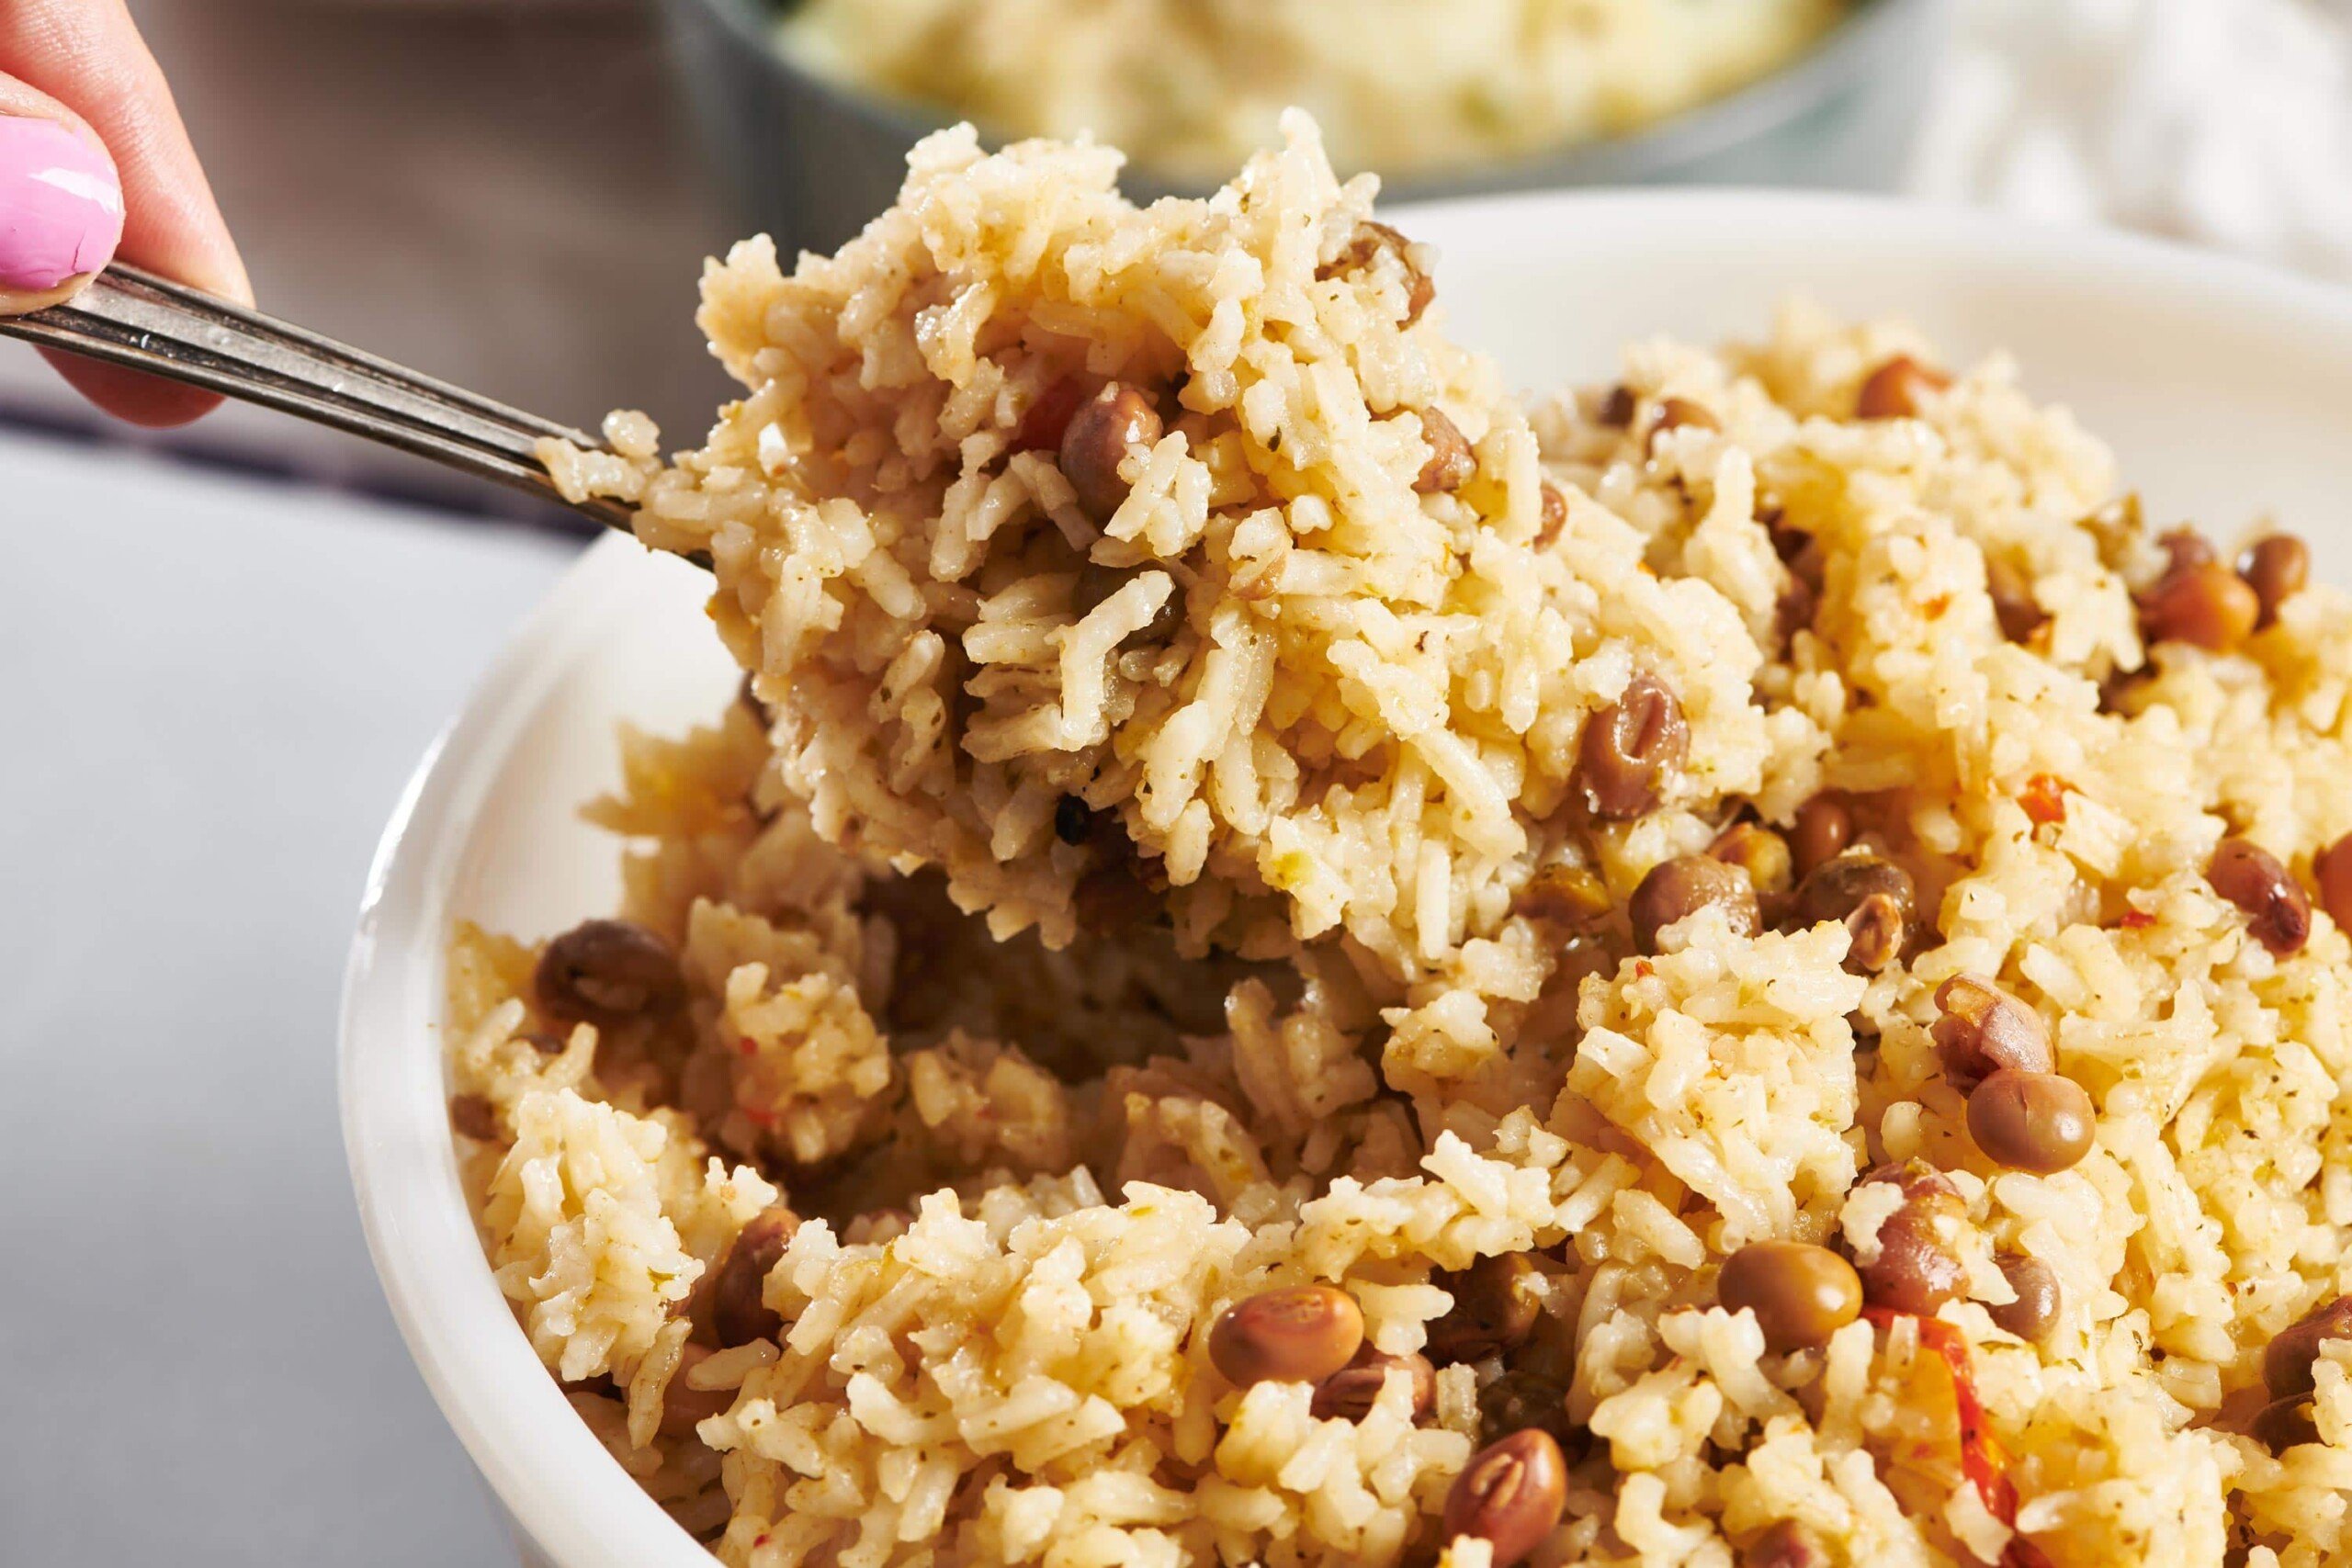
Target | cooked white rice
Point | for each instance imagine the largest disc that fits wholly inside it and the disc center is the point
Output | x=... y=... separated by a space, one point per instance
x=1191 y=87
x=1037 y=1143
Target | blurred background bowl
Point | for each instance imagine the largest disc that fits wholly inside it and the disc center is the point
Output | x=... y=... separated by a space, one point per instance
x=808 y=161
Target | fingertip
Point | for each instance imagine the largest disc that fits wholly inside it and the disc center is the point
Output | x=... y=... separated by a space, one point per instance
x=132 y=397
x=63 y=199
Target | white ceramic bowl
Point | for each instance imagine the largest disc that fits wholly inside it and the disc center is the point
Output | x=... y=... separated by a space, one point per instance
x=2227 y=389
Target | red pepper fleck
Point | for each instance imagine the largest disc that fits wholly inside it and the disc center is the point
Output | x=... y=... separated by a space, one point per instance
x=760 y=1117
x=2045 y=798
x=2137 y=920
x=748 y=1046
x=1981 y=1458
x=1042 y=426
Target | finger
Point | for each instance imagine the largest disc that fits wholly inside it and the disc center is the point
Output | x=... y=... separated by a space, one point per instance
x=61 y=221
x=61 y=202
x=85 y=58
x=62 y=196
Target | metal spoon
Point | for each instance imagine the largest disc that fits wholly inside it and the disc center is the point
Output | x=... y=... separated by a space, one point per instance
x=132 y=317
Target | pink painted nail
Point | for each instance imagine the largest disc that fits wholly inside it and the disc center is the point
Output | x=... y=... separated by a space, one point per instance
x=60 y=205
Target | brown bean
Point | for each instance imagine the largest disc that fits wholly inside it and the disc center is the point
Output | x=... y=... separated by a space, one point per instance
x=1047 y=419
x=1758 y=851
x=1823 y=830
x=1916 y=1269
x=2288 y=1359
x=1871 y=896
x=1365 y=246
x=1555 y=512
x=2035 y=1312
x=1097 y=582
x=1787 y=1544
x=1450 y=462
x=1832 y=889
x=1983 y=1029
x=475 y=1116
x=2275 y=567
x=685 y=1406
x=2207 y=606
x=1679 y=888
x=1510 y=1495
x=1914 y=1273
x=738 y=1315
x=1116 y=422
x=2041 y=1123
x=1875 y=933
x=2285 y=1424
x=1632 y=748
x=1562 y=892
x=2278 y=911
x=1617 y=406
x=2013 y=602
x=1493 y=1309
x=1897 y=388
x=1678 y=413
x=607 y=973
x=2332 y=867
x=1348 y=1393
x=2184 y=546
x=1297 y=1334
x=1801 y=1294
x=1916 y=1179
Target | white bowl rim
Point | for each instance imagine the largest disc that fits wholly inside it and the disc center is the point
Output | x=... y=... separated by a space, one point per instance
x=556 y=1482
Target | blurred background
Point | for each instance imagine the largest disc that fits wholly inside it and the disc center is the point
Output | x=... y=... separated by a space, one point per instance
x=516 y=193
x=232 y=643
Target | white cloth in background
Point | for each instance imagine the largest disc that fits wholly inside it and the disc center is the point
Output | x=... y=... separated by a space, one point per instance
x=2228 y=122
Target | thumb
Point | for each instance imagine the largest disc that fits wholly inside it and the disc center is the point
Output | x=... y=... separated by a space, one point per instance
x=60 y=200
x=81 y=65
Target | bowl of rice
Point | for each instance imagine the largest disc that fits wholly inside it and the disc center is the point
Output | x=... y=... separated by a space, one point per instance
x=808 y=108
x=1213 y=935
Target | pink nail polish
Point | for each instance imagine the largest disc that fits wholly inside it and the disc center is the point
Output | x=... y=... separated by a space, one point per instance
x=60 y=205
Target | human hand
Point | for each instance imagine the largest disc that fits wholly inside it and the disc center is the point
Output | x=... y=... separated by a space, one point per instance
x=94 y=162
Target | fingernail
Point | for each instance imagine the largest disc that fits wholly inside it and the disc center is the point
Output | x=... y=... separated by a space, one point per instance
x=60 y=205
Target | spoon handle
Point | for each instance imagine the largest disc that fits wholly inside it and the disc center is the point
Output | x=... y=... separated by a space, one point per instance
x=132 y=317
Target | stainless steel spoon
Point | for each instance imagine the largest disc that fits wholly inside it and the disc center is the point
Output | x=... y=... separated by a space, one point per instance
x=132 y=317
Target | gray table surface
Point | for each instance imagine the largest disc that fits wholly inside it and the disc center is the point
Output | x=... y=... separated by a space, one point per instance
x=214 y=690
